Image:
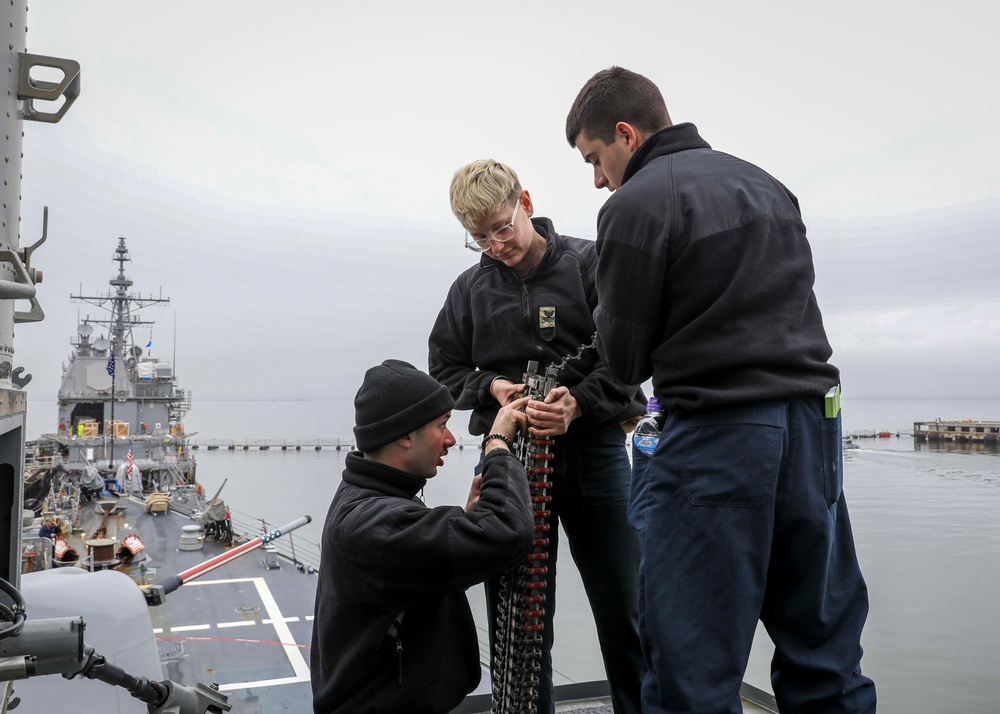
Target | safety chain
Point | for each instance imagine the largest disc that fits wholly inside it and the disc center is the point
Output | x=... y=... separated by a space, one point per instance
x=518 y=635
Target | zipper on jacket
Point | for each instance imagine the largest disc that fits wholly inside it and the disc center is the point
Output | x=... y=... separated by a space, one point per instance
x=394 y=634
x=399 y=651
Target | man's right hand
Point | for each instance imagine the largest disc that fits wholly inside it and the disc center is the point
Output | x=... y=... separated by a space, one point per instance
x=505 y=391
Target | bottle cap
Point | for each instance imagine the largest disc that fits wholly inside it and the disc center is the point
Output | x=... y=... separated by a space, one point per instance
x=653 y=405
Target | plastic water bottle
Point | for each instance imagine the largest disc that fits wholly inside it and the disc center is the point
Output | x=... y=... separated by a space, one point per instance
x=646 y=435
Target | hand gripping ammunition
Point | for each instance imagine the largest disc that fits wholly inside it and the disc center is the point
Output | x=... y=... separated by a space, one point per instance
x=518 y=635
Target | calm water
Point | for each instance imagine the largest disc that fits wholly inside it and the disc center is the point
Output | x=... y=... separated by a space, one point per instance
x=927 y=526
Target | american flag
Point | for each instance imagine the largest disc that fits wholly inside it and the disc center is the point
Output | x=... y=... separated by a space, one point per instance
x=131 y=462
x=111 y=364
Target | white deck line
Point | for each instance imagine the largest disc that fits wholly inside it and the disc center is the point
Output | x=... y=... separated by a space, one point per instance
x=237 y=623
x=190 y=628
x=294 y=653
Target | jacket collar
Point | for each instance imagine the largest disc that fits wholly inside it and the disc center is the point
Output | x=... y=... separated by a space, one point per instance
x=369 y=474
x=679 y=137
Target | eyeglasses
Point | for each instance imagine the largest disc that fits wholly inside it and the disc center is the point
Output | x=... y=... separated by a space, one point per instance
x=500 y=235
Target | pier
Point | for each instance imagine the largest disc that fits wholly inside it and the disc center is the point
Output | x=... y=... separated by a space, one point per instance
x=964 y=431
x=299 y=444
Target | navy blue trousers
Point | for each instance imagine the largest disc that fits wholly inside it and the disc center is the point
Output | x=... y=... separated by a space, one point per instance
x=589 y=501
x=745 y=519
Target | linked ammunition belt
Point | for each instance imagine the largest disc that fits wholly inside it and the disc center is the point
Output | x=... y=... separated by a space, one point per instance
x=518 y=635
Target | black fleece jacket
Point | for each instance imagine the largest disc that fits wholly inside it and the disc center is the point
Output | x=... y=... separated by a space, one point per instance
x=706 y=278
x=385 y=553
x=492 y=323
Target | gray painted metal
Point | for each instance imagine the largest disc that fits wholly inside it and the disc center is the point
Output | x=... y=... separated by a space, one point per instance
x=14 y=281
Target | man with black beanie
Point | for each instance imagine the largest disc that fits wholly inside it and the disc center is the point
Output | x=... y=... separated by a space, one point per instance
x=393 y=630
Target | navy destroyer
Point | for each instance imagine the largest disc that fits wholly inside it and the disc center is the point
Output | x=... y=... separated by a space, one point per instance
x=120 y=409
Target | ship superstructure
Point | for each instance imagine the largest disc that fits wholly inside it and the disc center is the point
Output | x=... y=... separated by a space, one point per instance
x=116 y=400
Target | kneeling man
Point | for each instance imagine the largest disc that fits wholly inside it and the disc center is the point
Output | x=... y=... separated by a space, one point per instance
x=393 y=630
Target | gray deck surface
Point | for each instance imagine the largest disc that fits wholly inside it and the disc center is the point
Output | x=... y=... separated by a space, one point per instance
x=241 y=626
x=248 y=628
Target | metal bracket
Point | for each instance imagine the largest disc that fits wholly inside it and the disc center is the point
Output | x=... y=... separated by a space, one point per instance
x=30 y=89
x=25 y=253
x=26 y=277
x=20 y=289
x=19 y=379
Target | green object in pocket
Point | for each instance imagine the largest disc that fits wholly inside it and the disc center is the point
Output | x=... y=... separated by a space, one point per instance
x=832 y=402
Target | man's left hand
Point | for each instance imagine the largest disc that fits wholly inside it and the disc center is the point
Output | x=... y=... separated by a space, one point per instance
x=477 y=482
x=552 y=417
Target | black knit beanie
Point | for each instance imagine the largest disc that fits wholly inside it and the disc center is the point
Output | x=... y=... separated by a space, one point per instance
x=395 y=399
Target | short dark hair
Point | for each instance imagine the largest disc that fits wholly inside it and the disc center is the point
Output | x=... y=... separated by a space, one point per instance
x=612 y=95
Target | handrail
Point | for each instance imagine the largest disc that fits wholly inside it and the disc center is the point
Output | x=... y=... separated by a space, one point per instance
x=303 y=554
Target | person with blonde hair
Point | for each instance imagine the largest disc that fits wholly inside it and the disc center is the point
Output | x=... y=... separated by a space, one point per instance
x=530 y=296
x=50 y=529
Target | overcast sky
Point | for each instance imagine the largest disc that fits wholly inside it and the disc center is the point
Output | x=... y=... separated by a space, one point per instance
x=282 y=170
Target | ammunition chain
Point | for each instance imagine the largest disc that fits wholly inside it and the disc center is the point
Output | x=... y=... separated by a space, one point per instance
x=517 y=660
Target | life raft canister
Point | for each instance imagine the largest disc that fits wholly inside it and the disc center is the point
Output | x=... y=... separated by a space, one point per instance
x=63 y=553
x=130 y=547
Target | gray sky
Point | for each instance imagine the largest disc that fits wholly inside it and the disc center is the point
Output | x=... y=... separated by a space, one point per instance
x=283 y=173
